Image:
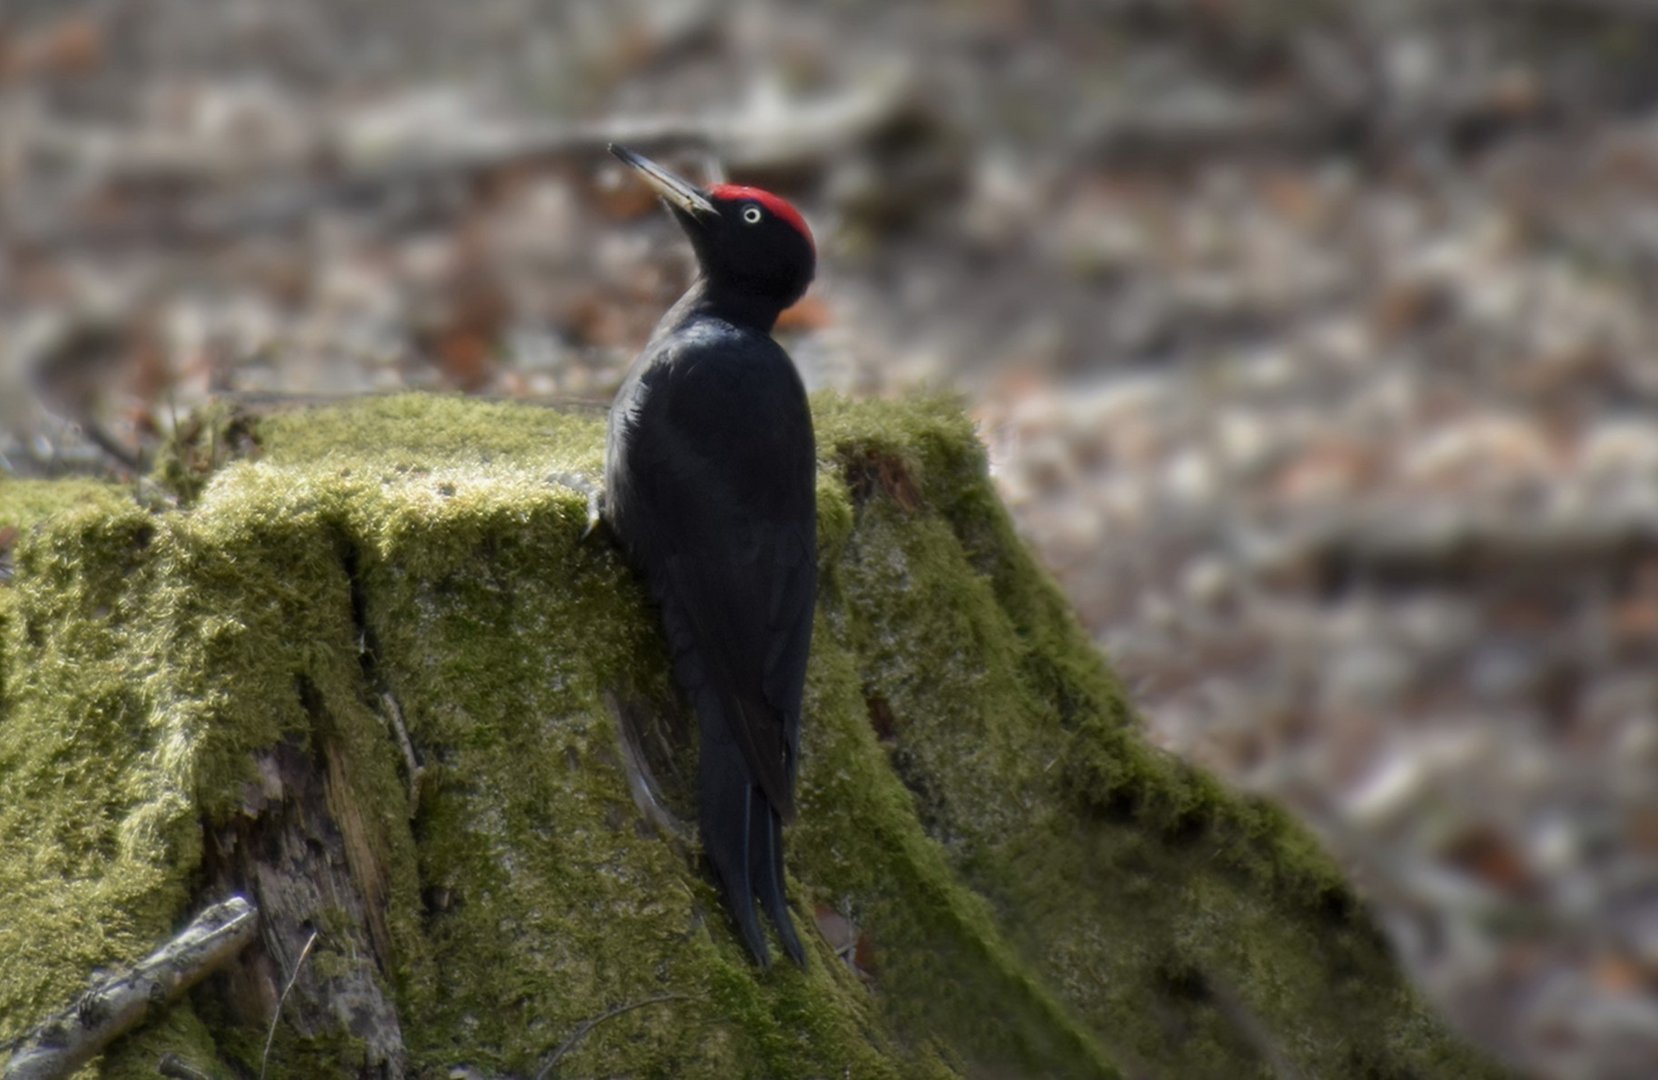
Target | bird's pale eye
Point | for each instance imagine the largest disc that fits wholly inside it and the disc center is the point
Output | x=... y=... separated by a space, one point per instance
x=752 y=215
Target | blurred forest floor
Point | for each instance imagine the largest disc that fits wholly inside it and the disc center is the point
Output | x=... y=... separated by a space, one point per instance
x=1314 y=342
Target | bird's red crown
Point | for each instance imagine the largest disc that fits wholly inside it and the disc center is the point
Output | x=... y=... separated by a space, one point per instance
x=775 y=203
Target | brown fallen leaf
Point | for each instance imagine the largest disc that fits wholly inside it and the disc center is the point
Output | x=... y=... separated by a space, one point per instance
x=1617 y=975
x=466 y=358
x=836 y=928
x=68 y=47
x=847 y=939
x=1491 y=857
x=810 y=313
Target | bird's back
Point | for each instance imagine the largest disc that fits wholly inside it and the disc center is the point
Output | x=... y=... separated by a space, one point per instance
x=710 y=474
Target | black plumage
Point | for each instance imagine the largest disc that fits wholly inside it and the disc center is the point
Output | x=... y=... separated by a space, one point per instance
x=710 y=474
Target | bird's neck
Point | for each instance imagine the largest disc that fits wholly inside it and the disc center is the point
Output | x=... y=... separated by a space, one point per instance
x=706 y=297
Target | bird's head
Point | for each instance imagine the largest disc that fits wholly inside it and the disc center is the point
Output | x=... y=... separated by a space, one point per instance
x=749 y=242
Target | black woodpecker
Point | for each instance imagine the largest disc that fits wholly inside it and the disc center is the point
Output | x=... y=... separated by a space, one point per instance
x=710 y=476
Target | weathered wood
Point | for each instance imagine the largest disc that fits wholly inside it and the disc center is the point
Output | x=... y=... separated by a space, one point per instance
x=301 y=848
x=122 y=1001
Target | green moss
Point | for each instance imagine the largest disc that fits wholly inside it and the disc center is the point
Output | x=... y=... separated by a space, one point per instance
x=23 y=503
x=1041 y=893
x=1178 y=920
x=176 y=1031
x=95 y=826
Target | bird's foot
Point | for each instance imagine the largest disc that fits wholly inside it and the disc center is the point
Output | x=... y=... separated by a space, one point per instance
x=576 y=481
x=595 y=512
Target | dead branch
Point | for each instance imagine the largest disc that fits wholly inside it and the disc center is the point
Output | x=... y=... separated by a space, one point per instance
x=114 y=1005
x=411 y=760
x=800 y=138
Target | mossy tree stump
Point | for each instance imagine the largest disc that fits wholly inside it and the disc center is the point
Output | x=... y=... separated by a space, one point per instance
x=213 y=698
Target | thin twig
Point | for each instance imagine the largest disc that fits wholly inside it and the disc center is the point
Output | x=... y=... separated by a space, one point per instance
x=411 y=760
x=270 y=1036
x=588 y=1025
x=118 y=1003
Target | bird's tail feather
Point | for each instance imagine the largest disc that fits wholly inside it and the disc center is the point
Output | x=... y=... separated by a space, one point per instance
x=727 y=800
x=765 y=862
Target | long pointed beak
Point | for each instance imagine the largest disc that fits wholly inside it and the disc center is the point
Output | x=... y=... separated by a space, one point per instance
x=675 y=191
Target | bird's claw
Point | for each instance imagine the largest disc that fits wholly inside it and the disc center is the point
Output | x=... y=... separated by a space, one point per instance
x=595 y=513
x=595 y=499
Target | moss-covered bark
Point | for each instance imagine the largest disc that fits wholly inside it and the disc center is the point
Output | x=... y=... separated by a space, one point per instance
x=189 y=694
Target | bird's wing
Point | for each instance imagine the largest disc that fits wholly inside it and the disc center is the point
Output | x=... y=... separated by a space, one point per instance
x=749 y=618
x=722 y=508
